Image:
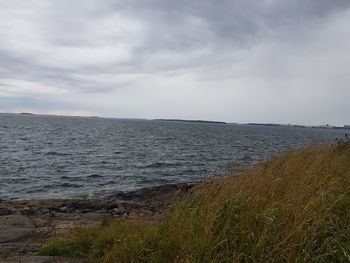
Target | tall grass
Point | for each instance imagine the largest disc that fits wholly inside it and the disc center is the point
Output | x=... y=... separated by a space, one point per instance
x=292 y=208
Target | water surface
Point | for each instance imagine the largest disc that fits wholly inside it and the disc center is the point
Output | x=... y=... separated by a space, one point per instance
x=67 y=157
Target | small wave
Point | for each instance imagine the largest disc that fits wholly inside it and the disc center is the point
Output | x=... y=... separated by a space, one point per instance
x=66 y=177
x=69 y=178
x=33 y=190
x=17 y=180
x=155 y=181
x=246 y=158
x=160 y=164
x=95 y=176
x=190 y=171
x=69 y=185
x=110 y=182
x=56 y=153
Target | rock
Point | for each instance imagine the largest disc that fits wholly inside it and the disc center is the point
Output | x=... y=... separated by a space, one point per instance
x=15 y=227
x=149 y=194
x=5 y=211
x=38 y=259
x=118 y=211
x=25 y=225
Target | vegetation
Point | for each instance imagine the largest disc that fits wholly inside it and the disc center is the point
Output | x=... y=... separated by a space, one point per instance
x=292 y=208
x=3 y=255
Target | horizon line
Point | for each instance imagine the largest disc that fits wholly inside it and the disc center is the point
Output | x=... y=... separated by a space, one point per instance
x=184 y=120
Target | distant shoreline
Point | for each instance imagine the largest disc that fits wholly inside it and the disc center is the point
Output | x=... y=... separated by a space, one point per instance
x=327 y=126
x=196 y=121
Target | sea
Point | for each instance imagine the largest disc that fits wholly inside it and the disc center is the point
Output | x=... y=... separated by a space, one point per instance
x=82 y=157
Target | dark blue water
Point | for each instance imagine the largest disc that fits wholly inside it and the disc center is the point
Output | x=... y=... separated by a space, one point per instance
x=61 y=157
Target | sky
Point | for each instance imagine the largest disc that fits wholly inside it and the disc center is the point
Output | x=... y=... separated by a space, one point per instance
x=275 y=61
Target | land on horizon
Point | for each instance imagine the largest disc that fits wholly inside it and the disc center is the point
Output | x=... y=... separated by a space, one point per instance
x=323 y=126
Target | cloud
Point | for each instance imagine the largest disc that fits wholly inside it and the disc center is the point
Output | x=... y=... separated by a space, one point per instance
x=268 y=60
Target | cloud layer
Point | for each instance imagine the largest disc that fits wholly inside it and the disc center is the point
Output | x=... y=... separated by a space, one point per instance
x=254 y=60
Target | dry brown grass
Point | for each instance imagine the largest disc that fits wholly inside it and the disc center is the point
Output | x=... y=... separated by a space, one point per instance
x=292 y=208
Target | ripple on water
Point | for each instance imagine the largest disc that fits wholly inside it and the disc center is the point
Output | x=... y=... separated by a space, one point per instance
x=46 y=156
x=95 y=176
x=53 y=153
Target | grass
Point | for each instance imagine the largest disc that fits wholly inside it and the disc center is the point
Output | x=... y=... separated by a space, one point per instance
x=292 y=208
x=3 y=255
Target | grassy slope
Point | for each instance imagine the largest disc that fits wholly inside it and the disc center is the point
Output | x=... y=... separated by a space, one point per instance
x=293 y=208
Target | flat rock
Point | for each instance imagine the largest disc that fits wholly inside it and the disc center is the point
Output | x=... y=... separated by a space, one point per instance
x=15 y=227
x=26 y=225
x=38 y=259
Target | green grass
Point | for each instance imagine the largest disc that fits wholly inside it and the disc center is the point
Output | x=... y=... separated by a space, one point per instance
x=292 y=208
x=3 y=255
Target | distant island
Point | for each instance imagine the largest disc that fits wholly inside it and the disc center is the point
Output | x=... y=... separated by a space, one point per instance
x=327 y=126
x=196 y=121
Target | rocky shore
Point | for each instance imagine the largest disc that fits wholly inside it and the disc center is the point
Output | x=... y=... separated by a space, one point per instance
x=26 y=225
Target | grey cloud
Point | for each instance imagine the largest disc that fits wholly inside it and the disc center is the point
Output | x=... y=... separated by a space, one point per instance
x=168 y=26
x=227 y=20
x=123 y=48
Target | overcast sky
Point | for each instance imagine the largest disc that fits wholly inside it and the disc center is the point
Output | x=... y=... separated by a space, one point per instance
x=280 y=61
